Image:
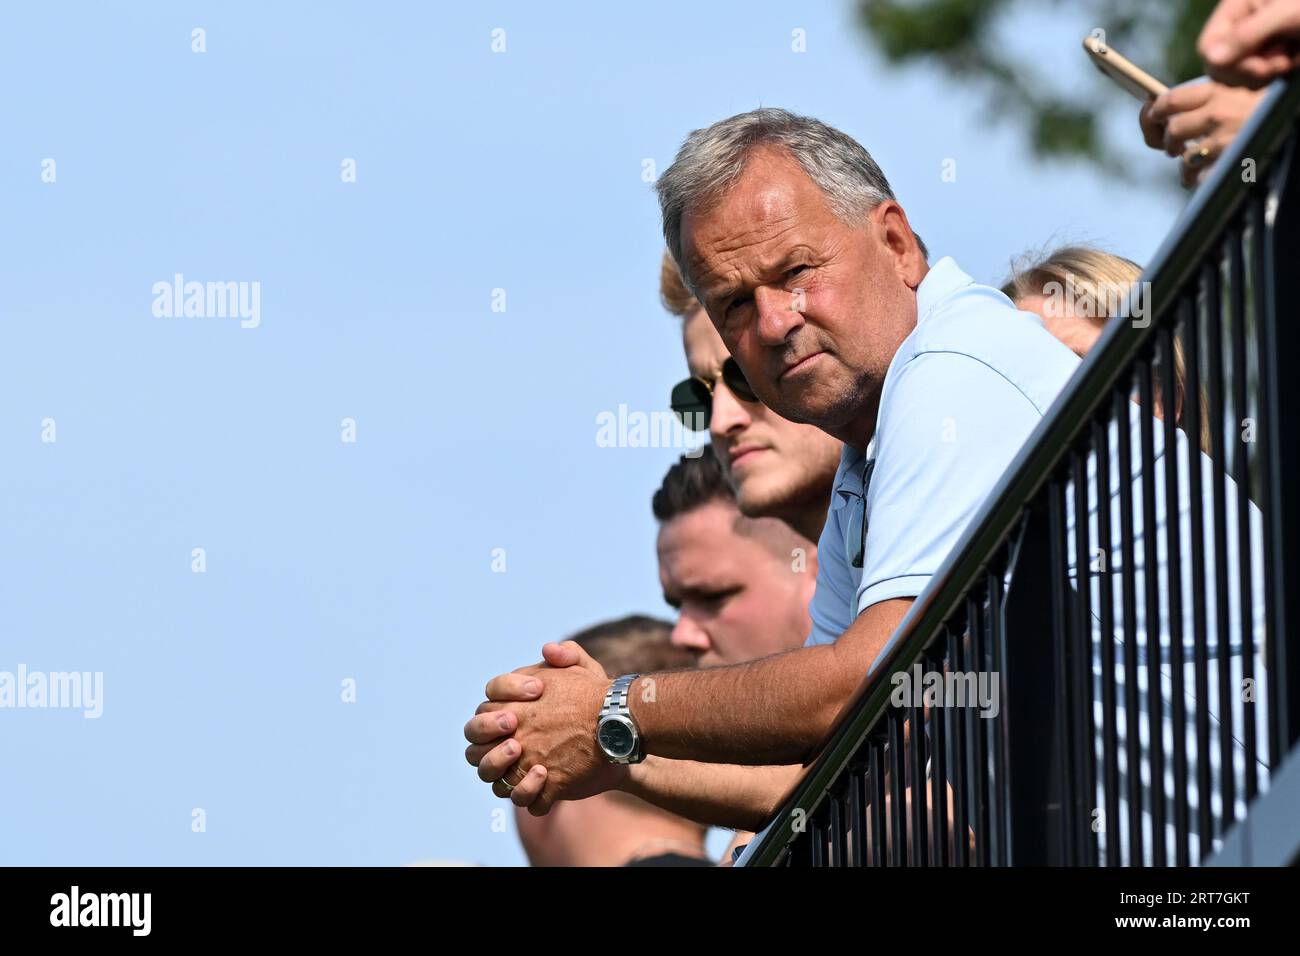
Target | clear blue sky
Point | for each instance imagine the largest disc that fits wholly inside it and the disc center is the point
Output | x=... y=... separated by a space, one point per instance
x=475 y=429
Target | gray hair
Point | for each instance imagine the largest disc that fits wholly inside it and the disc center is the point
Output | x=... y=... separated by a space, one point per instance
x=711 y=160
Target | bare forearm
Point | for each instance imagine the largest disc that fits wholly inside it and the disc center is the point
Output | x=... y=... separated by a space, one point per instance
x=776 y=710
x=723 y=795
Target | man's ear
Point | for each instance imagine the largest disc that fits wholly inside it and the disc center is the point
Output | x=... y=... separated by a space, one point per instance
x=895 y=233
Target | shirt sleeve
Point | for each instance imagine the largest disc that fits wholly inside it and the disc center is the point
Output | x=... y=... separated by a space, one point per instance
x=831 y=602
x=949 y=428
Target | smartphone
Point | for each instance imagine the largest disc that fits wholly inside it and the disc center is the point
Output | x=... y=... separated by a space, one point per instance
x=1132 y=79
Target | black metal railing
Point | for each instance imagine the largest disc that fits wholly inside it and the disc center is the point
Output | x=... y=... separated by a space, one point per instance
x=1126 y=590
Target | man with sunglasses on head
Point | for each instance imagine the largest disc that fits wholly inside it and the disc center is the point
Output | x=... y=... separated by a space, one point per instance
x=791 y=238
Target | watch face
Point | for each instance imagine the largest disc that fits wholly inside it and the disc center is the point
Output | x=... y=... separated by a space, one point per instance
x=616 y=738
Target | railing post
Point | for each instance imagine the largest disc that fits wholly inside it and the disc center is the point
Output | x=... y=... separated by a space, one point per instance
x=1030 y=702
x=1281 y=344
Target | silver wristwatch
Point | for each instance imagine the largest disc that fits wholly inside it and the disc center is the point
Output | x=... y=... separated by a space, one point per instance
x=616 y=732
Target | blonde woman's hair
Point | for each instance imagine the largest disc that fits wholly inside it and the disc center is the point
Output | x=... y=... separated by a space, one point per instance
x=1090 y=270
x=1107 y=278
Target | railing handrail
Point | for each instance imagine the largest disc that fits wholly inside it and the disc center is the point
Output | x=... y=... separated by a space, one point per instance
x=1194 y=235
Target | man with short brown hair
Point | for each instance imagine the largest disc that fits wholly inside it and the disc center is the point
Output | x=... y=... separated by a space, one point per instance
x=740 y=585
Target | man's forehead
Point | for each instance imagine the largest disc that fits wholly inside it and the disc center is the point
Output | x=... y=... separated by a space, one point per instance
x=753 y=225
x=697 y=567
x=743 y=220
x=706 y=531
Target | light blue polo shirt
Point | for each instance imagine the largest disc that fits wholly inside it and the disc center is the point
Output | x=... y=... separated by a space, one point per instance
x=964 y=391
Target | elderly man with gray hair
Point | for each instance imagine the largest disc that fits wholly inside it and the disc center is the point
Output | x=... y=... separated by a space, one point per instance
x=791 y=238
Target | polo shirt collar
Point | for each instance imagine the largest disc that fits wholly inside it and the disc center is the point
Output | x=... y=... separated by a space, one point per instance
x=848 y=477
x=943 y=280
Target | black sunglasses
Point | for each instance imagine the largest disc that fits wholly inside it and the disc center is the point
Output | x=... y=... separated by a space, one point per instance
x=692 y=399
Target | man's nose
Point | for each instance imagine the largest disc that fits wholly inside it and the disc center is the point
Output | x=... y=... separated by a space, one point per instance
x=729 y=414
x=777 y=314
x=690 y=636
